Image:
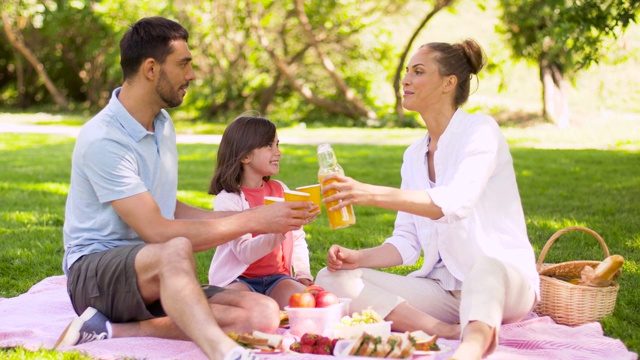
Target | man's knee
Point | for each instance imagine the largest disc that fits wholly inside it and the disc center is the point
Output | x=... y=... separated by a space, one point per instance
x=263 y=313
x=169 y=258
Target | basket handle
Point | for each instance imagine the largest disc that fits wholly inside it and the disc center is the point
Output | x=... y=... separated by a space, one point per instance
x=553 y=238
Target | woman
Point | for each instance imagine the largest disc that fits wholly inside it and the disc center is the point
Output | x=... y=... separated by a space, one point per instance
x=459 y=204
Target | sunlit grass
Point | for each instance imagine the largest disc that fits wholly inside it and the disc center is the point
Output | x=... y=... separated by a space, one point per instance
x=595 y=188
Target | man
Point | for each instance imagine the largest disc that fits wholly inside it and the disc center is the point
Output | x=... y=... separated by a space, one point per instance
x=129 y=242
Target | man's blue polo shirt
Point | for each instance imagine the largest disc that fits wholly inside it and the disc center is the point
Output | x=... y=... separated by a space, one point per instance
x=115 y=158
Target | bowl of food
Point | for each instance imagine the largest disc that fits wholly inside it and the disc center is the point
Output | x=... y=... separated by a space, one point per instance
x=316 y=320
x=352 y=327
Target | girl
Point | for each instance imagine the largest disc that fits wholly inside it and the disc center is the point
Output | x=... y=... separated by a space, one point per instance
x=247 y=157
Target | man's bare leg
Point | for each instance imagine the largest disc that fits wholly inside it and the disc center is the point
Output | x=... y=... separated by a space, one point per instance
x=167 y=272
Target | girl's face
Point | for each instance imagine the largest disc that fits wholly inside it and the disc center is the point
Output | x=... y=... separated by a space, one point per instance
x=261 y=162
x=423 y=86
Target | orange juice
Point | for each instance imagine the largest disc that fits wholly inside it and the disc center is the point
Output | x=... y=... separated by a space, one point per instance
x=315 y=193
x=338 y=218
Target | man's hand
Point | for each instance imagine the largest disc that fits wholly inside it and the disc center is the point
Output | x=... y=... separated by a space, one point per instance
x=281 y=217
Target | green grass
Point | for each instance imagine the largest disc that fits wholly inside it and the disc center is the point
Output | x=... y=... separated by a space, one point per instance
x=598 y=188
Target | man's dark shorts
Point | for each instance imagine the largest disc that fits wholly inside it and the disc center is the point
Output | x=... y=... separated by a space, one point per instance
x=107 y=281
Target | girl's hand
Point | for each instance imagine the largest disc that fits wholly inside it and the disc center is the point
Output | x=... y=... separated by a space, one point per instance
x=341 y=258
x=313 y=212
x=306 y=282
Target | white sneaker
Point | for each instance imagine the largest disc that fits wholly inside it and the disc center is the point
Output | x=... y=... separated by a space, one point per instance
x=240 y=353
x=90 y=326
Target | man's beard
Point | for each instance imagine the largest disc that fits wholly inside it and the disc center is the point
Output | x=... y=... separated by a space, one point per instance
x=164 y=89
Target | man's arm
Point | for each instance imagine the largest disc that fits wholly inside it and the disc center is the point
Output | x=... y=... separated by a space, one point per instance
x=143 y=215
x=186 y=211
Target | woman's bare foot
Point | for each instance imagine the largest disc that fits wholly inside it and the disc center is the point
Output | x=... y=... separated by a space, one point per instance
x=476 y=340
x=447 y=331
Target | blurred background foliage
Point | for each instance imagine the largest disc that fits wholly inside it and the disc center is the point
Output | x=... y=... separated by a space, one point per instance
x=317 y=62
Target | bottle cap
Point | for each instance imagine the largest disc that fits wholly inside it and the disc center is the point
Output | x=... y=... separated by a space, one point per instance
x=324 y=148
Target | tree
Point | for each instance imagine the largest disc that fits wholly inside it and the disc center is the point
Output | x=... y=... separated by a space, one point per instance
x=317 y=50
x=11 y=27
x=563 y=37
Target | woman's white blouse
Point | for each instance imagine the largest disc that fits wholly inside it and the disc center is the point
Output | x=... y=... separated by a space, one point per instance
x=477 y=191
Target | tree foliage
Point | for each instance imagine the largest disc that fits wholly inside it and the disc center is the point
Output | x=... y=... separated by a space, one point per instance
x=570 y=33
x=291 y=60
x=563 y=37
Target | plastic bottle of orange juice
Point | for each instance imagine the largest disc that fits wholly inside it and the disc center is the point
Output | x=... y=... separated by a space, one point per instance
x=328 y=164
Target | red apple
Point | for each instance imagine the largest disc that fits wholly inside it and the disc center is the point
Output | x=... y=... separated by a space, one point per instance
x=314 y=289
x=326 y=298
x=302 y=300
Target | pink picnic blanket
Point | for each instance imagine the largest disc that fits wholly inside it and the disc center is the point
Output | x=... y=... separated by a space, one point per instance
x=35 y=320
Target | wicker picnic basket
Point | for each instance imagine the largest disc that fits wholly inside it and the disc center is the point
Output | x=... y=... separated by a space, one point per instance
x=565 y=302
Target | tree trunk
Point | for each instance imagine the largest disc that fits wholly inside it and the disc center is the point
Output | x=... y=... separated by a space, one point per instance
x=268 y=95
x=554 y=94
x=347 y=92
x=289 y=74
x=439 y=5
x=14 y=37
x=20 y=84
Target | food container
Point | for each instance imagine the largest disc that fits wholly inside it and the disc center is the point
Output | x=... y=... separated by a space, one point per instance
x=353 y=332
x=319 y=321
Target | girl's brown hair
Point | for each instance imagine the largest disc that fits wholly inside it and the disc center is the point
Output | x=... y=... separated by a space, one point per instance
x=243 y=135
x=462 y=60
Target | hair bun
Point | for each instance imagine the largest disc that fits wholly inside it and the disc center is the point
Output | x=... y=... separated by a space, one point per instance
x=475 y=55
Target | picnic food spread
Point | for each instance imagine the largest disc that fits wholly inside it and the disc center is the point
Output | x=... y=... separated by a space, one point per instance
x=319 y=321
x=368 y=316
x=313 y=296
x=258 y=340
x=395 y=346
x=314 y=344
x=424 y=341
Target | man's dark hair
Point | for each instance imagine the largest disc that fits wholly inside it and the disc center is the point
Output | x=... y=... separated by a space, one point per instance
x=149 y=37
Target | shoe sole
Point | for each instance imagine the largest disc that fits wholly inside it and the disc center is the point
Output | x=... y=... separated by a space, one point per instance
x=71 y=333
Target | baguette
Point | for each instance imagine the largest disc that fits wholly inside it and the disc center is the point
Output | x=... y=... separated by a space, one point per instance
x=603 y=274
x=609 y=266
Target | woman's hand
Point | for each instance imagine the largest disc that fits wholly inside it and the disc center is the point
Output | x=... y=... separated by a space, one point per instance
x=341 y=258
x=353 y=192
x=349 y=191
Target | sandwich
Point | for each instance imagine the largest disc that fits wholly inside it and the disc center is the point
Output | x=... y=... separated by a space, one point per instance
x=361 y=345
x=258 y=340
x=424 y=341
x=395 y=346
x=284 y=318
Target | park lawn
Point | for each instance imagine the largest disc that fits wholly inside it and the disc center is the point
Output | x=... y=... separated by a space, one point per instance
x=599 y=189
